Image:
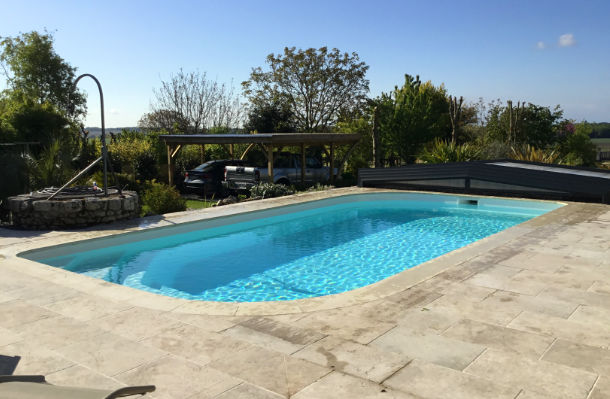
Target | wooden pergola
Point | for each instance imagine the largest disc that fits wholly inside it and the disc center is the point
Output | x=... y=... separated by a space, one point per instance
x=266 y=141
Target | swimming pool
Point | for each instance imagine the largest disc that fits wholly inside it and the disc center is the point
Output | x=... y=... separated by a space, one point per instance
x=306 y=250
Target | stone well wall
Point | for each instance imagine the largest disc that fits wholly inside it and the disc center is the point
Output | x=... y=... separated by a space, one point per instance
x=40 y=214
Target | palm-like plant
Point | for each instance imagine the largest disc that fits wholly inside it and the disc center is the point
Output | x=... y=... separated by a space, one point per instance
x=442 y=152
x=533 y=154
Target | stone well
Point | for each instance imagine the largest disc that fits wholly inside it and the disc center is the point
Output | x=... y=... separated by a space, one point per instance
x=36 y=212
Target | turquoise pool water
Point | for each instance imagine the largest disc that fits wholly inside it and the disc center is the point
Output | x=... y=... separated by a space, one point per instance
x=308 y=250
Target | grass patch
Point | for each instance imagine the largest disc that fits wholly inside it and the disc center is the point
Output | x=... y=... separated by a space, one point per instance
x=603 y=144
x=199 y=204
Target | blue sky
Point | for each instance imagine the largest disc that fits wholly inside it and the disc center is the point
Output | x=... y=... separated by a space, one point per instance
x=490 y=49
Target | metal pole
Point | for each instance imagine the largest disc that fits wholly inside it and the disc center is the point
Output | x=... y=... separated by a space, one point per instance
x=104 y=149
x=82 y=172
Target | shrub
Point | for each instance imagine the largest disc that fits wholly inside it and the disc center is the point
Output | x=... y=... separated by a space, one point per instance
x=53 y=166
x=577 y=147
x=320 y=187
x=270 y=190
x=133 y=154
x=533 y=154
x=160 y=198
x=494 y=150
x=443 y=152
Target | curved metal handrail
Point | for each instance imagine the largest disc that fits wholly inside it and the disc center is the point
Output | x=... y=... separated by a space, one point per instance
x=104 y=148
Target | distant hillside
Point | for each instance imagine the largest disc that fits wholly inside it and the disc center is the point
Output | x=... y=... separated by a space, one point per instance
x=97 y=131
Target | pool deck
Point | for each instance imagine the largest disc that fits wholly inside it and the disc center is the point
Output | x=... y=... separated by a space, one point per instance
x=522 y=314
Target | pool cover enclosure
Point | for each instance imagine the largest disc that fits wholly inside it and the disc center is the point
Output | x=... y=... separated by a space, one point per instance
x=498 y=177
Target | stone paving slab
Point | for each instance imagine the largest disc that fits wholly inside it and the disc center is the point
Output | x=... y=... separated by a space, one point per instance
x=601 y=389
x=364 y=361
x=432 y=348
x=135 y=323
x=590 y=358
x=431 y=381
x=284 y=331
x=17 y=313
x=339 y=385
x=279 y=373
x=195 y=344
x=600 y=287
x=55 y=332
x=255 y=337
x=577 y=296
x=538 y=376
x=182 y=378
x=510 y=316
x=243 y=391
x=33 y=359
x=109 y=354
x=80 y=376
x=511 y=300
x=526 y=344
x=475 y=309
x=585 y=333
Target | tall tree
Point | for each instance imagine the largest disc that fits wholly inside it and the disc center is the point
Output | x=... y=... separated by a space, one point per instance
x=413 y=115
x=319 y=85
x=163 y=120
x=203 y=103
x=34 y=70
x=270 y=118
x=534 y=124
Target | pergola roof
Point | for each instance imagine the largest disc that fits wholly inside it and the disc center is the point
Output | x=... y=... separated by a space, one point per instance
x=262 y=138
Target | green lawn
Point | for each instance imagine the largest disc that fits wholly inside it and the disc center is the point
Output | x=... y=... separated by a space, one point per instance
x=603 y=144
x=199 y=204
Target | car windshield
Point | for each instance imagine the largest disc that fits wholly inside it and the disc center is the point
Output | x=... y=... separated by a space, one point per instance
x=205 y=167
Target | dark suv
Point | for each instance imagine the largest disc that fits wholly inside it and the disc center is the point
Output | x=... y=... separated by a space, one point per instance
x=206 y=179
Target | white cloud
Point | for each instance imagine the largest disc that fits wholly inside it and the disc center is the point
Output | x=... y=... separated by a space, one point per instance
x=567 y=40
x=540 y=45
x=114 y=111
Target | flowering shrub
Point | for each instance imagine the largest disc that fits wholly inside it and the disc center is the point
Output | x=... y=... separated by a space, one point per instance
x=270 y=190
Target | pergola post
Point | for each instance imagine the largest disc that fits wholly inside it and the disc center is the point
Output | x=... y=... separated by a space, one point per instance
x=171 y=165
x=302 y=163
x=270 y=162
x=332 y=163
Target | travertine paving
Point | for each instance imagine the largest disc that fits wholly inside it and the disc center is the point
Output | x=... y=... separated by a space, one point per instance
x=523 y=314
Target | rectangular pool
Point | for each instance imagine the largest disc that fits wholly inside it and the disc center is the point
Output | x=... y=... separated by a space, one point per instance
x=305 y=250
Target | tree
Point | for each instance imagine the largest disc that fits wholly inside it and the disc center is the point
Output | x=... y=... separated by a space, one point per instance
x=413 y=115
x=40 y=104
x=319 y=85
x=190 y=97
x=576 y=145
x=455 y=115
x=35 y=122
x=163 y=119
x=533 y=124
x=35 y=71
x=270 y=118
